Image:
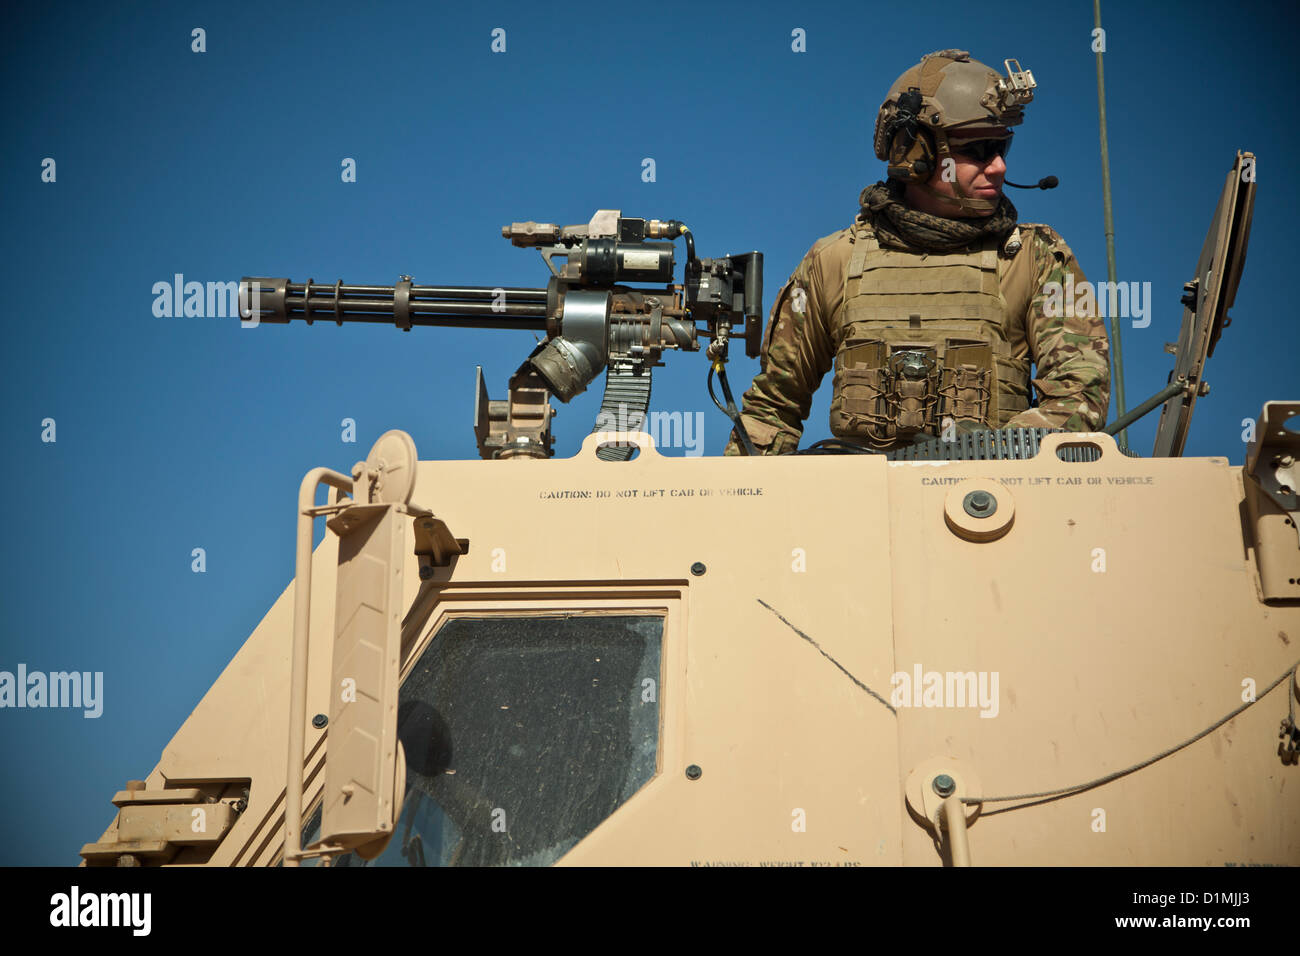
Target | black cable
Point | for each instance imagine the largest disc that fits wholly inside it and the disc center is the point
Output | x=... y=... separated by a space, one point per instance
x=837 y=446
x=730 y=409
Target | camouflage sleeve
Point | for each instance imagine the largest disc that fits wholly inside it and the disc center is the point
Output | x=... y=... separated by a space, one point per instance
x=1067 y=341
x=797 y=353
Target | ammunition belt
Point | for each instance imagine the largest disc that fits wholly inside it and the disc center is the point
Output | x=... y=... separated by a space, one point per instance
x=998 y=444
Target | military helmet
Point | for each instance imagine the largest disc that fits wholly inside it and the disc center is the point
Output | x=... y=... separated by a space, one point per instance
x=939 y=97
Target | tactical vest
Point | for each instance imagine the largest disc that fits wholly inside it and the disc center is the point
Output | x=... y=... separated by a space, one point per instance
x=924 y=339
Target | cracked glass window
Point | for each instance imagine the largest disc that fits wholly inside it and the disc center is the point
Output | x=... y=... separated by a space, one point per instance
x=522 y=734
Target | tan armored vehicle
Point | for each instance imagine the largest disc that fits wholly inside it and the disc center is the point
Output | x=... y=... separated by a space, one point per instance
x=1016 y=647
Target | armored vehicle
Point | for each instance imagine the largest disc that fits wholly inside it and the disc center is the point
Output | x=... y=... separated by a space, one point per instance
x=1013 y=647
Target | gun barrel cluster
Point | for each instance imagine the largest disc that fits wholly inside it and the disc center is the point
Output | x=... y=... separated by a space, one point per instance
x=404 y=304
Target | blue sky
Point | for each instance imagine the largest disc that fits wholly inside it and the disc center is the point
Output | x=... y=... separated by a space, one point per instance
x=179 y=433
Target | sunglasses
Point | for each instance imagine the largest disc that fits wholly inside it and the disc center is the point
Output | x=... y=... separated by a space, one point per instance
x=982 y=150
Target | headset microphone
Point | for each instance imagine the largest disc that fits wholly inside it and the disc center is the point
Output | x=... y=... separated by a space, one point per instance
x=1047 y=182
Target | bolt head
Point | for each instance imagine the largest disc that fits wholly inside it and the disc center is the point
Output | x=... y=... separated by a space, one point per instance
x=319 y=721
x=944 y=785
x=693 y=772
x=979 y=504
x=698 y=568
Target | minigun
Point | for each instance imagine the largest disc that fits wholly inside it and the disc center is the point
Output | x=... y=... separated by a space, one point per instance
x=592 y=320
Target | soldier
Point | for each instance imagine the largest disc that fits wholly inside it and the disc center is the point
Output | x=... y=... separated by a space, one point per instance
x=933 y=303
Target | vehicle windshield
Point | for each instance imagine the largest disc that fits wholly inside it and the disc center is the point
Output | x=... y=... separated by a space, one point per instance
x=522 y=734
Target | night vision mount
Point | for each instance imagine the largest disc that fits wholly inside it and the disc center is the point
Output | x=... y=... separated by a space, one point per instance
x=592 y=320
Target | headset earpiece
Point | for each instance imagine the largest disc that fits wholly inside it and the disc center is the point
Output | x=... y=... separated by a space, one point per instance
x=917 y=163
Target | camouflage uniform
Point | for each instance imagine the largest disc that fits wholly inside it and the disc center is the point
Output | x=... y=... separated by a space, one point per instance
x=807 y=329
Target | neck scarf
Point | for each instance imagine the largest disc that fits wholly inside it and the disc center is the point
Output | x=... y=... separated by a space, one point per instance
x=897 y=224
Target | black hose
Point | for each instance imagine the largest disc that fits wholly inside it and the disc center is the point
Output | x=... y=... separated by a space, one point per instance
x=730 y=409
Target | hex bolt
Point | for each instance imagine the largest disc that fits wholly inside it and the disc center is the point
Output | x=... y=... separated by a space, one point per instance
x=319 y=721
x=693 y=772
x=944 y=785
x=426 y=572
x=698 y=568
x=979 y=504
